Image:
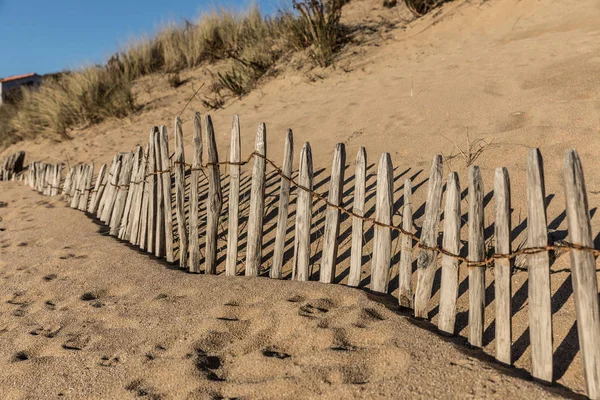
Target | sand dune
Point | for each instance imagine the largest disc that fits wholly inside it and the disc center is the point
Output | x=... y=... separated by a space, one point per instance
x=516 y=74
x=84 y=316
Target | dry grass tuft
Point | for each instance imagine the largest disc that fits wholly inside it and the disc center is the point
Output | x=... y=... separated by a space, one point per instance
x=250 y=43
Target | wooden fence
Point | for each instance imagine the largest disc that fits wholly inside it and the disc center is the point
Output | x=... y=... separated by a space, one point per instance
x=134 y=197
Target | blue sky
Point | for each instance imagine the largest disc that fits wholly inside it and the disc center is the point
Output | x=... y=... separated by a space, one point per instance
x=51 y=35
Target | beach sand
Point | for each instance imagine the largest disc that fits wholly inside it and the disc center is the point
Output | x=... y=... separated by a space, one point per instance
x=514 y=74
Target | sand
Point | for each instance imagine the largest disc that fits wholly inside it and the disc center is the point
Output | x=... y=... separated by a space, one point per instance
x=93 y=318
x=515 y=74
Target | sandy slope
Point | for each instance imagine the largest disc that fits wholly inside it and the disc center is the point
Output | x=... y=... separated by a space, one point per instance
x=521 y=73
x=156 y=332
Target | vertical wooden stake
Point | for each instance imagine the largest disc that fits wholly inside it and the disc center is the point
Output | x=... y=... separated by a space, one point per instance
x=98 y=190
x=583 y=270
x=284 y=201
x=304 y=204
x=476 y=253
x=111 y=192
x=107 y=187
x=83 y=203
x=159 y=217
x=382 y=240
x=167 y=194
x=332 y=216
x=427 y=259
x=194 y=248
x=133 y=229
x=121 y=198
x=234 y=198
x=214 y=202
x=503 y=267
x=127 y=214
x=449 y=285
x=540 y=311
x=180 y=194
x=405 y=293
x=257 y=205
x=356 y=251
x=147 y=223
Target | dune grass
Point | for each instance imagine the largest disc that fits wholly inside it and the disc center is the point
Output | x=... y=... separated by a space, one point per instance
x=249 y=42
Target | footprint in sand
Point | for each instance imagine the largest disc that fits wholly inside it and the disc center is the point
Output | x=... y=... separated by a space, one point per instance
x=20 y=356
x=315 y=308
x=208 y=365
x=142 y=389
x=76 y=342
x=50 y=333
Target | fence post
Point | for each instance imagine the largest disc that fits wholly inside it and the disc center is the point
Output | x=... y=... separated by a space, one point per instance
x=427 y=259
x=356 y=252
x=257 y=205
x=583 y=270
x=180 y=194
x=540 y=312
x=123 y=190
x=449 y=285
x=382 y=240
x=284 y=201
x=304 y=204
x=83 y=203
x=476 y=254
x=405 y=293
x=214 y=202
x=332 y=216
x=167 y=194
x=194 y=248
x=159 y=218
x=503 y=267
x=107 y=187
x=234 y=198
x=98 y=190
x=111 y=192
x=133 y=225
x=147 y=227
x=128 y=212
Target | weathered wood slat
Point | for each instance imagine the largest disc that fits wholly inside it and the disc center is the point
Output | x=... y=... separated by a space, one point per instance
x=356 y=251
x=405 y=293
x=503 y=266
x=449 y=285
x=83 y=203
x=180 y=194
x=304 y=203
x=332 y=216
x=214 y=202
x=284 y=201
x=194 y=247
x=234 y=199
x=382 y=239
x=123 y=190
x=127 y=219
x=159 y=216
x=427 y=259
x=98 y=190
x=194 y=234
x=540 y=311
x=133 y=225
x=147 y=223
x=107 y=187
x=75 y=189
x=257 y=205
x=476 y=253
x=111 y=192
x=57 y=177
x=583 y=271
x=167 y=195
